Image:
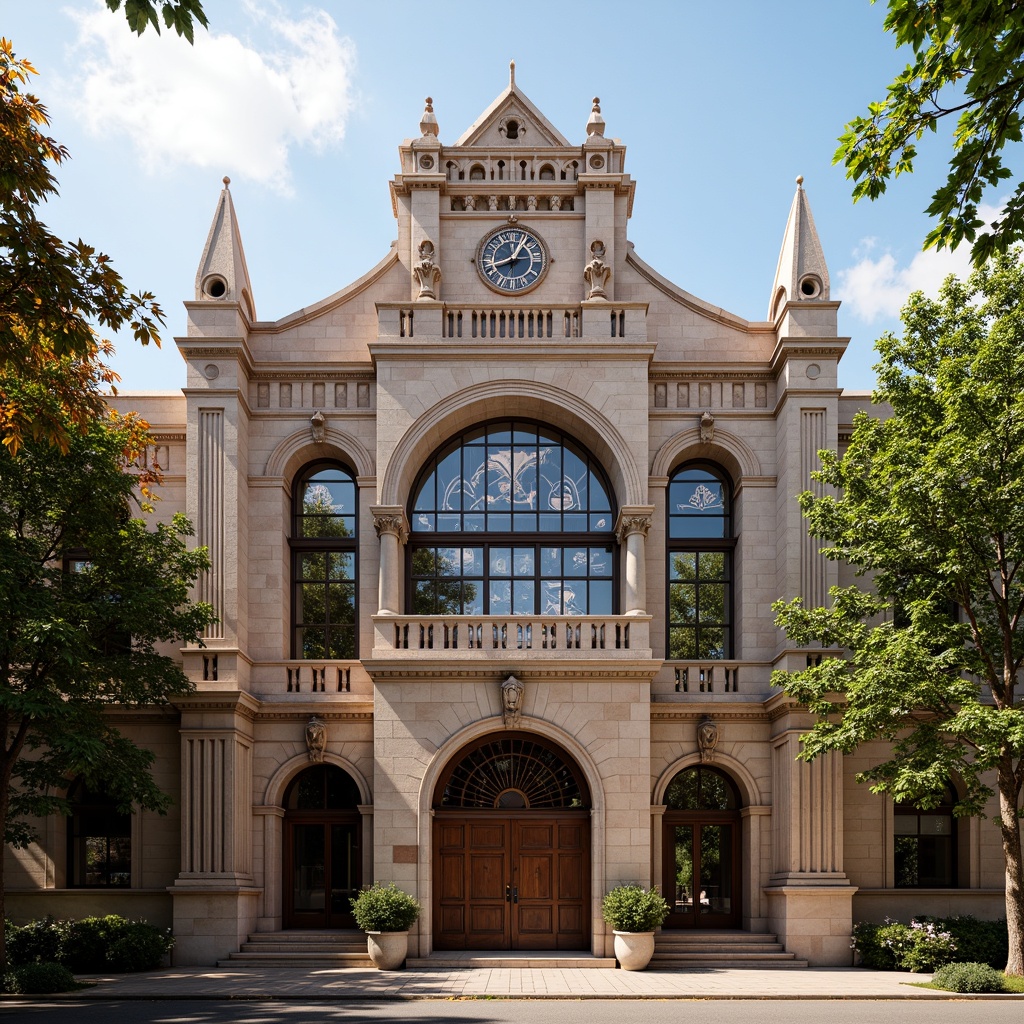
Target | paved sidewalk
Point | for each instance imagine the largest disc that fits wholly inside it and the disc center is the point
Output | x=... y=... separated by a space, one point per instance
x=353 y=983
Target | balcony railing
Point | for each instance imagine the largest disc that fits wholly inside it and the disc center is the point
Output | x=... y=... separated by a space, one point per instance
x=711 y=676
x=551 y=636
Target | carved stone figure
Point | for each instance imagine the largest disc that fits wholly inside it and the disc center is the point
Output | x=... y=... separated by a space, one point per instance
x=318 y=426
x=707 y=427
x=707 y=739
x=555 y=202
x=316 y=739
x=531 y=202
x=427 y=272
x=492 y=202
x=597 y=273
x=469 y=202
x=511 y=702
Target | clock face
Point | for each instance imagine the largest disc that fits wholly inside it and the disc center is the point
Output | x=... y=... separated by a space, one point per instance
x=512 y=260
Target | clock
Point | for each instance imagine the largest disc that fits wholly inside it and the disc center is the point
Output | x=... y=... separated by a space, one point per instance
x=512 y=260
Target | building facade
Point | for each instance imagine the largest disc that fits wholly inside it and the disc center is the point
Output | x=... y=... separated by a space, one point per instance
x=495 y=531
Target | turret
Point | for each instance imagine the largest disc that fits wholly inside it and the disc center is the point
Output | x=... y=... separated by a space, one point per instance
x=223 y=275
x=801 y=275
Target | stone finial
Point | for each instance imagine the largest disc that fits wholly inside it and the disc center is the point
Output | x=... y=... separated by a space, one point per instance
x=707 y=427
x=799 y=181
x=511 y=702
x=595 y=124
x=428 y=123
x=597 y=273
x=226 y=180
x=427 y=272
x=511 y=74
x=318 y=426
x=707 y=739
x=316 y=739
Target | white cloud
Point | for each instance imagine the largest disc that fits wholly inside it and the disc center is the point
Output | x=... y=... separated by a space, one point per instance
x=220 y=104
x=877 y=288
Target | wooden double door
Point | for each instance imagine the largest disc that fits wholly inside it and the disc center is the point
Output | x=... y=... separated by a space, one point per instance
x=511 y=881
x=701 y=856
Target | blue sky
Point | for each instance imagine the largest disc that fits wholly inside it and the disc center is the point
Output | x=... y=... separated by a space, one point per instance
x=303 y=106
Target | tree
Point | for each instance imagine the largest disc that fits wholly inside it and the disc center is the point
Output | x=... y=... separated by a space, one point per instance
x=177 y=14
x=929 y=506
x=968 y=61
x=86 y=593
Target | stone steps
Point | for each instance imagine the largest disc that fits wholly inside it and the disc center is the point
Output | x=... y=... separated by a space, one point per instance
x=518 y=960
x=306 y=949
x=732 y=949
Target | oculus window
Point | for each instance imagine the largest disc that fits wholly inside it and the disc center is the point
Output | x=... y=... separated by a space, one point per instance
x=512 y=518
x=324 y=562
x=700 y=556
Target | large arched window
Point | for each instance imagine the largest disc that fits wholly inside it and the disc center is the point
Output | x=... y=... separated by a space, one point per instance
x=924 y=844
x=99 y=840
x=700 y=546
x=324 y=562
x=512 y=518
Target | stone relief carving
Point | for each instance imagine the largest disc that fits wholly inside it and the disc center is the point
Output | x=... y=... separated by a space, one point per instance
x=469 y=202
x=492 y=202
x=316 y=739
x=707 y=739
x=597 y=272
x=511 y=702
x=427 y=272
x=555 y=202
x=707 y=427
x=531 y=202
x=318 y=426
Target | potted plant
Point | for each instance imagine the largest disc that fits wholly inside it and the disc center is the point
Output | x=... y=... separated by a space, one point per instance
x=634 y=912
x=386 y=914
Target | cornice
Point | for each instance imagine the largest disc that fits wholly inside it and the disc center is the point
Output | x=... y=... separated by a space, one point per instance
x=314 y=375
x=664 y=373
x=168 y=438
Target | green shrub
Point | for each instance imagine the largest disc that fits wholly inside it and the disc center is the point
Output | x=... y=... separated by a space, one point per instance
x=385 y=908
x=33 y=942
x=85 y=943
x=632 y=908
x=969 y=977
x=39 y=979
x=141 y=947
x=983 y=942
x=921 y=946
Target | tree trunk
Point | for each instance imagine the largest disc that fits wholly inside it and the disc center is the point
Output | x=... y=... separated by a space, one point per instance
x=1009 y=827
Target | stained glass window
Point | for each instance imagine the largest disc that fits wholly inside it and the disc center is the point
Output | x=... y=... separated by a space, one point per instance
x=699 y=567
x=512 y=518
x=324 y=563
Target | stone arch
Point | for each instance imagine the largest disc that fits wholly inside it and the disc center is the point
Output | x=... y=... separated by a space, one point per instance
x=728 y=450
x=440 y=760
x=299 y=448
x=273 y=793
x=513 y=399
x=750 y=792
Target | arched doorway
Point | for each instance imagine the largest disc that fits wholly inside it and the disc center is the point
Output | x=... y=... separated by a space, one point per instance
x=323 y=848
x=511 y=847
x=701 y=850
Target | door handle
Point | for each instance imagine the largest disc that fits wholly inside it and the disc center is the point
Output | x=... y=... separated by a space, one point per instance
x=511 y=893
x=515 y=893
x=508 y=893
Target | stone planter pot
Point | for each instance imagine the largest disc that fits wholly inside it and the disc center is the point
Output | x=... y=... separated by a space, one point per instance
x=633 y=950
x=388 y=949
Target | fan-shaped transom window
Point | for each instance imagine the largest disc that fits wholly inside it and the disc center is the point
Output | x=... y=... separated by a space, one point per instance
x=700 y=543
x=512 y=518
x=323 y=543
x=701 y=789
x=512 y=773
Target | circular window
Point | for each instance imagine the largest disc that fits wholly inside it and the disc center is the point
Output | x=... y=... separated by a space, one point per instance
x=597 y=162
x=810 y=287
x=426 y=162
x=215 y=287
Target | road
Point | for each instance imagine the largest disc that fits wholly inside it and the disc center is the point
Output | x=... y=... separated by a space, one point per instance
x=515 y=1011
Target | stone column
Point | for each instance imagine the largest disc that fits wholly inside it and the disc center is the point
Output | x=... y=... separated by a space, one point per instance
x=393 y=530
x=273 y=866
x=366 y=813
x=658 y=848
x=631 y=529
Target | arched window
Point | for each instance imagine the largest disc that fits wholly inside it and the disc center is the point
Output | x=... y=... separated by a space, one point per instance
x=99 y=840
x=700 y=546
x=512 y=518
x=924 y=844
x=324 y=562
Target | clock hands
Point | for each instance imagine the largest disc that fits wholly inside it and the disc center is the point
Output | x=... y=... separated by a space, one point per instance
x=513 y=257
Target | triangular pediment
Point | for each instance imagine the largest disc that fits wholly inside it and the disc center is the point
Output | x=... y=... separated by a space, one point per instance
x=512 y=105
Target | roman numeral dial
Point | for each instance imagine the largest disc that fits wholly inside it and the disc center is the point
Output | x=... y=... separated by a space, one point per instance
x=512 y=260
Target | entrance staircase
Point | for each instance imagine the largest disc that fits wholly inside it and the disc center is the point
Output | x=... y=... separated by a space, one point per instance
x=721 y=949
x=301 y=949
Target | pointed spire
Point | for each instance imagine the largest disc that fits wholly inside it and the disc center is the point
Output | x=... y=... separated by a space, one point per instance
x=428 y=123
x=595 y=125
x=802 y=274
x=223 y=274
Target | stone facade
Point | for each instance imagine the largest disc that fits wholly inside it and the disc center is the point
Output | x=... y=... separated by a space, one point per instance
x=435 y=341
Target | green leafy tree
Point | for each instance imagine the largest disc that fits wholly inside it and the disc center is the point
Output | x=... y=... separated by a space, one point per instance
x=177 y=14
x=928 y=504
x=968 y=66
x=80 y=637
